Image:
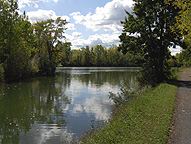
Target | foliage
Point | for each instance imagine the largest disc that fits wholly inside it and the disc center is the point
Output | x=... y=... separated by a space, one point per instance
x=183 y=26
x=183 y=19
x=15 y=36
x=1 y=73
x=23 y=104
x=97 y=56
x=26 y=49
x=65 y=52
x=47 y=34
x=126 y=94
x=173 y=61
x=147 y=32
x=145 y=119
x=184 y=58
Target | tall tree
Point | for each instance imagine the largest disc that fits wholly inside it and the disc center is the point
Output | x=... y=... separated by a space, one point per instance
x=15 y=41
x=147 y=31
x=85 y=56
x=48 y=34
x=113 y=56
x=64 y=53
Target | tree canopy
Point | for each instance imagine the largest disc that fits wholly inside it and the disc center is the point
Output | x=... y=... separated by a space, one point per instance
x=184 y=19
x=147 y=31
x=183 y=26
x=27 y=49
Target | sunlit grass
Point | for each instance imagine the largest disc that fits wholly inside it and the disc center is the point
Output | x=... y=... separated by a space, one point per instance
x=146 y=119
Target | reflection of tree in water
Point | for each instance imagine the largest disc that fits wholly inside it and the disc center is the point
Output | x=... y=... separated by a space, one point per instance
x=63 y=80
x=43 y=100
x=113 y=78
x=21 y=104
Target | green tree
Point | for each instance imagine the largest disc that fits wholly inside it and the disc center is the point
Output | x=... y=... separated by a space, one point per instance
x=75 y=58
x=15 y=41
x=147 y=32
x=64 y=52
x=183 y=26
x=113 y=56
x=184 y=19
x=27 y=49
x=48 y=34
x=100 y=54
x=85 y=56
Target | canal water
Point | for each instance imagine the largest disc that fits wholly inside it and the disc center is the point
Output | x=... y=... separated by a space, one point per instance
x=59 y=109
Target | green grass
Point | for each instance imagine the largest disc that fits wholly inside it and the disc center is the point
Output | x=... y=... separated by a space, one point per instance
x=146 y=119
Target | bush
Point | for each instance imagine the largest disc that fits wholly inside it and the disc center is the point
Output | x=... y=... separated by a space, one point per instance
x=127 y=94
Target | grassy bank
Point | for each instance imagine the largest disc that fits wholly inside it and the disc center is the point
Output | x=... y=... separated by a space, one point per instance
x=146 y=119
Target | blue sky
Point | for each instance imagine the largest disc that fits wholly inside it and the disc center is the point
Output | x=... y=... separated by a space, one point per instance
x=91 y=22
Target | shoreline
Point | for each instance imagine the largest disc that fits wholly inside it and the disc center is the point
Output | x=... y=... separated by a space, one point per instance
x=145 y=119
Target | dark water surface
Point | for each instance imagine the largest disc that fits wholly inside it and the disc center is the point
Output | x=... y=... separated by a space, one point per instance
x=58 y=109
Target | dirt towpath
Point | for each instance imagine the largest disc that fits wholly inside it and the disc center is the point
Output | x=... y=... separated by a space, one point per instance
x=181 y=130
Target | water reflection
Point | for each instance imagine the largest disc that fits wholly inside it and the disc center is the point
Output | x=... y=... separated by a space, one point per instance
x=24 y=105
x=57 y=109
x=98 y=106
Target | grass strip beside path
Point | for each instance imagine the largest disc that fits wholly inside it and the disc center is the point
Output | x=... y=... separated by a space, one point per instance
x=146 y=119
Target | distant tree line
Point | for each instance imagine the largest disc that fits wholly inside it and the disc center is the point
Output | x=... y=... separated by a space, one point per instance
x=97 y=56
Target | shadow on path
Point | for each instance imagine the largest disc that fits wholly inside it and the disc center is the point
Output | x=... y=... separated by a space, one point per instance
x=182 y=83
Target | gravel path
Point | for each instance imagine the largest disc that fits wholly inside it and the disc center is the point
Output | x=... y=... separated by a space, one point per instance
x=181 y=130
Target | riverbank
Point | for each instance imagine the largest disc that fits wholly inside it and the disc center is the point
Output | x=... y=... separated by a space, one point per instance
x=145 y=119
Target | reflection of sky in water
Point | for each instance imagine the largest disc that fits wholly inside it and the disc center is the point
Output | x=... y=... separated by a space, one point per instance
x=90 y=99
x=88 y=102
x=87 y=90
x=46 y=134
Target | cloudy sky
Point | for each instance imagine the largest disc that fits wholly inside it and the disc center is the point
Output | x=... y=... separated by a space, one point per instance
x=91 y=22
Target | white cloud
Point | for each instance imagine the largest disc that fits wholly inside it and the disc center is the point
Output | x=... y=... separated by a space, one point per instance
x=70 y=26
x=104 y=39
x=67 y=18
x=74 y=36
x=42 y=134
x=40 y=15
x=77 y=34
x=100 y=107
x=23 y=3
x=36 y=6
x=55 y=1
x=105 y=18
